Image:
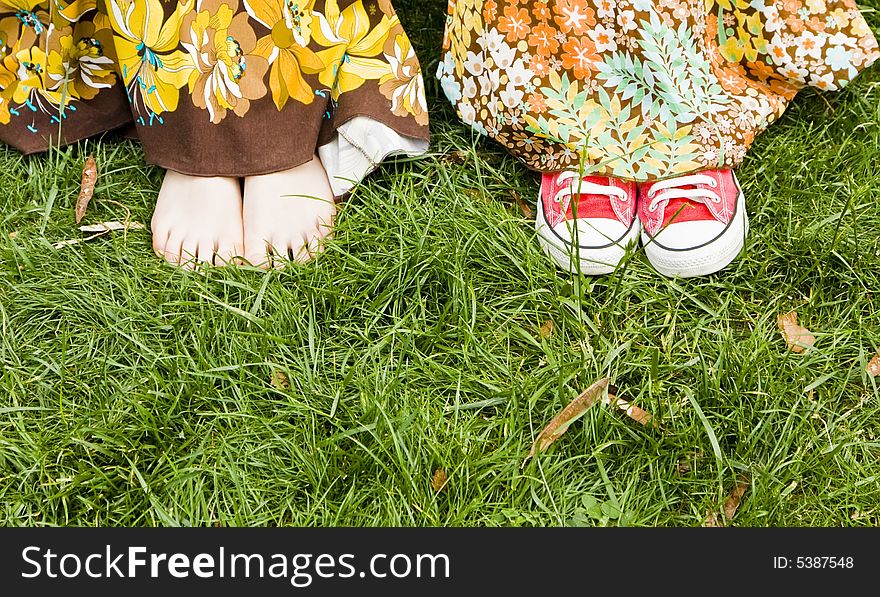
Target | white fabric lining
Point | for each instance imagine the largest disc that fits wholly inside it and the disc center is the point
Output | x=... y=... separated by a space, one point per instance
x=361 y=144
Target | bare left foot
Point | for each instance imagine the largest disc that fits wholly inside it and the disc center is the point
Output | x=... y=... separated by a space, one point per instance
x=198 y=220
x=287 y=214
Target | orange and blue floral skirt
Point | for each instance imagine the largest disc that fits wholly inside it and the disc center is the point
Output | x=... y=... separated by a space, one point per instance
x=642 y=89
x=215 y=87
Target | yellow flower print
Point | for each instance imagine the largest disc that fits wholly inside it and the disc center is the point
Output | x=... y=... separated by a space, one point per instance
x=8 y=84
x=228 y=74
x=352 y=46
x=286 y=47
x=153 y=69
x=38 y=14
x=29 y=72
x=25 y=25
x=72 y=10
x=80 y=61
x=404 y=85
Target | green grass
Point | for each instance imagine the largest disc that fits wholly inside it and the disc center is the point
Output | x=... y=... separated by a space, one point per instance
x=135 y=394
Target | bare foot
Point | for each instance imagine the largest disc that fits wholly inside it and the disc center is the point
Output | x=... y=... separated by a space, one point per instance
x=198 y=220
x=286 y=214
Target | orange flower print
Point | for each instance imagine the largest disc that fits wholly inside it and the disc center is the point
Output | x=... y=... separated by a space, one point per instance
x=579 y=56
x=760 y=70
x=795 y=24
x=515 y=23
x=574 y=17
x=792 y=5
x=543 y=39
x=537 y=103
x=490 y=10
x=542 y=11
x=539 y=65
x=816 y=24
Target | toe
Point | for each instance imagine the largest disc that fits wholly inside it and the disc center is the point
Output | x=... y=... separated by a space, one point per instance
x=316 y=244
x=160 y=240
x=206 y=250
x=298 y=249
x=278 y=253
x=189 y=252
x=172 y=249
x=256 y=252
x=227 y=252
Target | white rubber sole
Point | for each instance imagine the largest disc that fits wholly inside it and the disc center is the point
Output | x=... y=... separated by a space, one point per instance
x=706 y=259
x=587 y=261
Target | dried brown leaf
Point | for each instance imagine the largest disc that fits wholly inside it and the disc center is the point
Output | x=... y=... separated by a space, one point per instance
x=873 y=367
x=438 y=481
x=712 y=520
x=731 y=504
x=87 y=188
x=524 y=208
x=111 y=226
x=455 y=157
x=547 y=329
x=279 y=380
x=798 y=338
x=632 y=411
x=561 y=422
x=99 y=230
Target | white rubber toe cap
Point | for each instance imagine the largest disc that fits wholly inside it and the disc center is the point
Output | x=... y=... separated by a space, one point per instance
x=590 y=233
x=689 y=249
x=683 y=236
x=602 y=243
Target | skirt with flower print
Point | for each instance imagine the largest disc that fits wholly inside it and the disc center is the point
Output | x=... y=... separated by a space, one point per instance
x=642 y=89
x=213 y=87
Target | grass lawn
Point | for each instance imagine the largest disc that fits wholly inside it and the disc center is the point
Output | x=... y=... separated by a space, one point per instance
x=134 y=394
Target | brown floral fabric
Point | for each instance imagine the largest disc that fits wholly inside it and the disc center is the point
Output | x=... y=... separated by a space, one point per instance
x=642 y=89
x=213 y=87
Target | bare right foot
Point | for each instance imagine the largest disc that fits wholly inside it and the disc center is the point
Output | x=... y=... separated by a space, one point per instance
x=198 y=220
x=287 y=215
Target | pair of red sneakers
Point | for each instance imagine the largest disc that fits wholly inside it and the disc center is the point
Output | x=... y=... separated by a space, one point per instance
x=692 y=225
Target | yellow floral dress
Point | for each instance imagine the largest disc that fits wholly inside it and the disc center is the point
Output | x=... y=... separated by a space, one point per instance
x=215 y=87
x=642 y=89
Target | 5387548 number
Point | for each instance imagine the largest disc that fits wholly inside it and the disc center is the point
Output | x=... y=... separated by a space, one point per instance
x=807 y=562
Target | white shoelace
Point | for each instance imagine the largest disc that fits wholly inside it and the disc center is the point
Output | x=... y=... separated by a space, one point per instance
x=666 y=190
x=583 y=187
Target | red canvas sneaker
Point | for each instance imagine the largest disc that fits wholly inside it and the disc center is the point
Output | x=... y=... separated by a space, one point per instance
x=586 y=224
x=694 y=225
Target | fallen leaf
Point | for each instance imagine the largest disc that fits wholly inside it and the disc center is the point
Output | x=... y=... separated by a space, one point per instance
x=632 y=411
x=111 y=226
x=798 y=338
x=874 y=365
x=547 y=329
x=279 y=380
x=731 y=504
x=100 y=230
x=568 y=415
x=438 y=482
x=455 y=157
x=87 y=187
x=712 y=521
x=524 y=208
x=13 y=234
